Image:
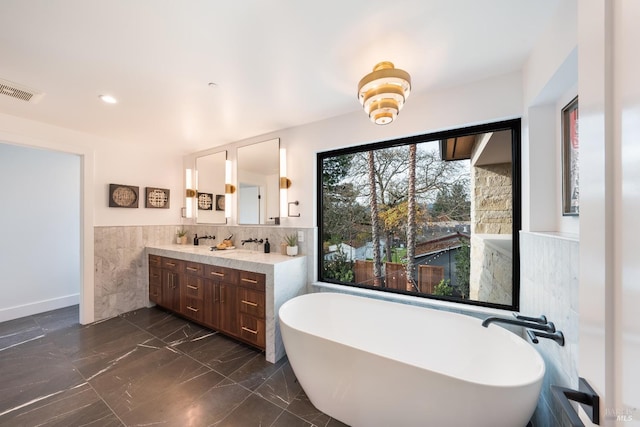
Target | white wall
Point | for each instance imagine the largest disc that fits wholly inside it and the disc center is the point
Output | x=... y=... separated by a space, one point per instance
x=627 y=129
x=141 y=166
x=103 y=162
x=40 y=248
x=484 y=101
x=609 y=134
x=606 y=66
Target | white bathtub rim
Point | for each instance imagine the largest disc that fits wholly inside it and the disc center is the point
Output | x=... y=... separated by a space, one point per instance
x=534 y=378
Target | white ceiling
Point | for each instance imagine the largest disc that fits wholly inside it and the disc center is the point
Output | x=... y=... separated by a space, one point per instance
x=277 y=64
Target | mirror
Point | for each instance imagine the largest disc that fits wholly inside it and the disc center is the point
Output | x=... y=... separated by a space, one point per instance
x=258 y=182
x=210 y=188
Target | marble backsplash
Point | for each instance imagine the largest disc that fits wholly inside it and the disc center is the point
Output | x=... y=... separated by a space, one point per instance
x=549 y=285
x=120 y=272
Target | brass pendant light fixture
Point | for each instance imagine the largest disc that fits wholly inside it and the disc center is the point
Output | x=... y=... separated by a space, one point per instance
x=383 y=92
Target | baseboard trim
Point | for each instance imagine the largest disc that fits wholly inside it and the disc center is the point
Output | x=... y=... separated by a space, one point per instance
x=36 y=307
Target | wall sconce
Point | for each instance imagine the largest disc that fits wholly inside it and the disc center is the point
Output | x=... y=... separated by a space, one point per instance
x=285 y=182
x=190 y=194
x=229 y=188
x=383 y=92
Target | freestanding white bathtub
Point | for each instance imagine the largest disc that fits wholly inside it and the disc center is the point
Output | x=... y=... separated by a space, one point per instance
x=372 y=363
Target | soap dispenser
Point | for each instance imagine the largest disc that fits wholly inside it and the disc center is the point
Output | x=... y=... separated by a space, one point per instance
x=196 y=240
x=267 y=246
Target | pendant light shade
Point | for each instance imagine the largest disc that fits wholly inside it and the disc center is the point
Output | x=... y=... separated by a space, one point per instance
x=383 y=92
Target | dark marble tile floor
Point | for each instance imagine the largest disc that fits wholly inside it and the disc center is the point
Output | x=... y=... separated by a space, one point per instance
x=143 y=368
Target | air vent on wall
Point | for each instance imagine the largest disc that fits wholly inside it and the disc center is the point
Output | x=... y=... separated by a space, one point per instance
x=20 y=92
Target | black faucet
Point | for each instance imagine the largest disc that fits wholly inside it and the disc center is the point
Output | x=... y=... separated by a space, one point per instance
x=541 y=327
x=524 y=322
x=557 y=336
x=253 y=240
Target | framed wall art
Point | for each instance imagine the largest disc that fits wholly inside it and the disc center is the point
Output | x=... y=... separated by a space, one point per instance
x=570 y=151
x=123 y=196
x=220 y=202
x=156 y=198
x=205 y=201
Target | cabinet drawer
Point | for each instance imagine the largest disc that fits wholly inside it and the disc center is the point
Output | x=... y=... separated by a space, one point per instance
x=155 y=261
x=251 y=302
x=252 y=280
x=193 y=308
x=221 y=274
x=194 y=268
x=155 y=293
x=193 y=286
x=155 y=276
x=173 y=264
x=252 y=330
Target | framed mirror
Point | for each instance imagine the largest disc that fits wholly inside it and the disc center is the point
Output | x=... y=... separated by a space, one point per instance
x=258 y=182
x=210 y=200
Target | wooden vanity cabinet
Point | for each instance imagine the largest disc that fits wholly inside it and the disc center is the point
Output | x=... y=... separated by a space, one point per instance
x=222 y=298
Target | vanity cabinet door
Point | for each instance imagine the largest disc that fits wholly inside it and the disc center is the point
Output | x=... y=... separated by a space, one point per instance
x=220 y=298
x=172 y=275
x=211 y=298
x=171 y=290
x=227 y=308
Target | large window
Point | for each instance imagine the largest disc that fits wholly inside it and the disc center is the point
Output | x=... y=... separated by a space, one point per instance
x=436 y=215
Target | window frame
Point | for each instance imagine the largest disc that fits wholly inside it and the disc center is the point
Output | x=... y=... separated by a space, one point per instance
x=514 y=125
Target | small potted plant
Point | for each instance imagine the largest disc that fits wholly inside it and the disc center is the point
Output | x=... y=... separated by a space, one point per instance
x=292 y=244
x=181 y=237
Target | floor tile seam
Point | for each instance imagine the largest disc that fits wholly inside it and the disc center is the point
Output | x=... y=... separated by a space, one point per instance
x=202 y=364
x=183 y=353
x=177 y=349
x=244 y=400
x=148 y=332
x=35 y=320
x=205 y=365
x=227 y=377
x=106 y=404
x=300 y=418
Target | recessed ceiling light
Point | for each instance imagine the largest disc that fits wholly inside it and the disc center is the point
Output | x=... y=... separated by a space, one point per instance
x=108 y=99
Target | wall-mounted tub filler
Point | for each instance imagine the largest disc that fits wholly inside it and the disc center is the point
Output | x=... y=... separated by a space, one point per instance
x=535 y=326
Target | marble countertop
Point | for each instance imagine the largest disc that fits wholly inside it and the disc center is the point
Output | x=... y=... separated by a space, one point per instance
x=205 y=255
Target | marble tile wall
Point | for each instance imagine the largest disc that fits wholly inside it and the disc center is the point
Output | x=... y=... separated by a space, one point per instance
x=120 y=275
x=549 y=285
